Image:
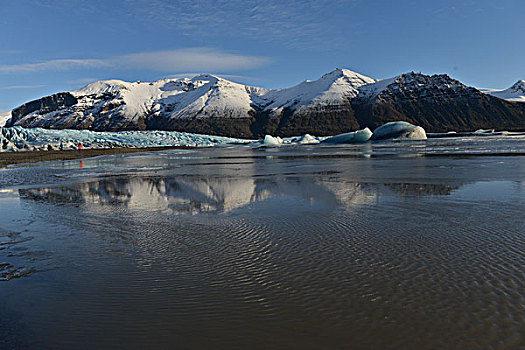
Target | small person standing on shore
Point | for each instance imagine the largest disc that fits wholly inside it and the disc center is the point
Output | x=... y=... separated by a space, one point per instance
x=79 y=147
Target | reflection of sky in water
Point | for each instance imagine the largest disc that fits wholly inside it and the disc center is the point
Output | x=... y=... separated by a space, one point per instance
x=492 y=190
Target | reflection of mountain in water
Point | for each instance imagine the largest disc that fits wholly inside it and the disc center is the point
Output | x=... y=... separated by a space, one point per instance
x=194 y=195
x=153 y=194
x=202 y=194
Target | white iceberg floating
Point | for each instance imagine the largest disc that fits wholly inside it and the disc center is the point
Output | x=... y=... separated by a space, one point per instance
x=399 y=131
x=350 y=137
x=270 y=140
x=307 y=139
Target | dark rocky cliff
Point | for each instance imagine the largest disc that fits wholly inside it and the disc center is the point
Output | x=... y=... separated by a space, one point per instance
x=44 y=105
x=438 y=103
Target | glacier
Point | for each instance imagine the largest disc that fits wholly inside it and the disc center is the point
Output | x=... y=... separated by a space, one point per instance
x=38 y=139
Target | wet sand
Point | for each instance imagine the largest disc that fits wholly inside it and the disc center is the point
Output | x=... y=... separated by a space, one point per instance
x=7 y=158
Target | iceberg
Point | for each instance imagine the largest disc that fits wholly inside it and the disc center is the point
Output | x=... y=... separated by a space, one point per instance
x=307 y=139
x=350 y=137
x=270 y=140
x=484 y=131
x=399 y=131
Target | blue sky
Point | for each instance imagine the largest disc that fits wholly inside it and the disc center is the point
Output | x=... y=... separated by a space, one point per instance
x=47 y=46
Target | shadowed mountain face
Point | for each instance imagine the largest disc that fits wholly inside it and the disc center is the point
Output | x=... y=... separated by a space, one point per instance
x=437 y=103
x=338 y=102
x=44 y=105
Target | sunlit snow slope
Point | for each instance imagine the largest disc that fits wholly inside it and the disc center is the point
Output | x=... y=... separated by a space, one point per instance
x=515 y=93
x=4 y=116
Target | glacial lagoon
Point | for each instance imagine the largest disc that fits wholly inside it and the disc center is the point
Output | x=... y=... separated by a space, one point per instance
x=411 y=244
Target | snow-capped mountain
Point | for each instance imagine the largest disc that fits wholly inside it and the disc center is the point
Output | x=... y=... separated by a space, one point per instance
x=515 y=93
x=118 y=105
x=438 y=103
x=4 y=117
x=323 y=106
x=330 y=89
x=338 y=102
x=414 y=85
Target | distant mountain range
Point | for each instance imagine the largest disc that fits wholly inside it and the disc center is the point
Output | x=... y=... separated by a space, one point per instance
x=515 y=93
x=4 y=117
x=339 y=101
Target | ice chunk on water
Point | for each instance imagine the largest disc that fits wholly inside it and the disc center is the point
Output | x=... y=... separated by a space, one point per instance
x=307 y=139
x=399 y=131
x=351 y=137
x=484 y=131
x=272 y=141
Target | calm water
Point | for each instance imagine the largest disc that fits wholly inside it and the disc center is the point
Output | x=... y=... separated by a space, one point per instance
x=410 y=245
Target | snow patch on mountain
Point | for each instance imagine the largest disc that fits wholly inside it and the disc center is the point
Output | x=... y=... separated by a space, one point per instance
x=131 y=99
x=330 y=89
x=209 y=96
x=421 y=85
x=205 y=95
x=515 y=93
x=4 y=117
x=371 y=91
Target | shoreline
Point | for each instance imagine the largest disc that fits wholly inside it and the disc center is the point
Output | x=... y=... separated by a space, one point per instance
x=10 y=158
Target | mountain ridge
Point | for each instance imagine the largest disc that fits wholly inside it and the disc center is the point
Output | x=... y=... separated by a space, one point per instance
x=339 y=101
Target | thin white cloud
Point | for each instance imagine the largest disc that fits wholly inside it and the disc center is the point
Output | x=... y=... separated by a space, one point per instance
x=292 y=23
x=190 y=59
x=13 y=87
x=305 y=24
x=199 y=59
x=57 y=65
